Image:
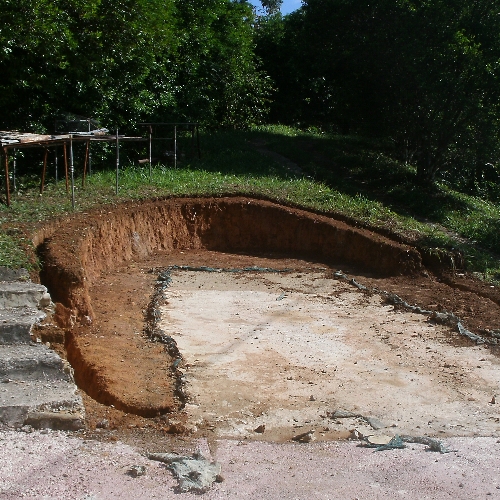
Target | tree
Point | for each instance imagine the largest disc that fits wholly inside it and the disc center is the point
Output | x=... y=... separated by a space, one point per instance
x=423 y=73
x=271 y=6
x=218 y=77
x=128 y=61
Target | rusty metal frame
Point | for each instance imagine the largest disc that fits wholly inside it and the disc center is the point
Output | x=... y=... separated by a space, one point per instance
x=55 y=141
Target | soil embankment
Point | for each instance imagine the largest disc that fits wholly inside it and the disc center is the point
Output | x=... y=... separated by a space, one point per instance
x=95 y=266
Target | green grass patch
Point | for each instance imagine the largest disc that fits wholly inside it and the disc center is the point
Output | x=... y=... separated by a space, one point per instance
x=351 y=176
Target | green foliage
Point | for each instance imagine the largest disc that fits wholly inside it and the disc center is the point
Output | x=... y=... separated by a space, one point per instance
x=364 y=182
x=271 y=6
x=128 y=61
x=424 y=74
x=349 y=176
x=218 y=81
x=12 y=254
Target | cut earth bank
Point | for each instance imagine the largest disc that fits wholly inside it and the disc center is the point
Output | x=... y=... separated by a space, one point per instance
x=273 y=339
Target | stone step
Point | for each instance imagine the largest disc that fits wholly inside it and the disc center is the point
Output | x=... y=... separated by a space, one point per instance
x=37 y=389
x=32 y=362
x=23 y=294
x=8 y=274
x=36 y=386
x=16 y=324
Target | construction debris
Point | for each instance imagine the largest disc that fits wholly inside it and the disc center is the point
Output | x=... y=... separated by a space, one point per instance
x=445 y=318
x=374 y=422
x=136 y=470
x=382 y=443
x=193 y=473
x=305 y=437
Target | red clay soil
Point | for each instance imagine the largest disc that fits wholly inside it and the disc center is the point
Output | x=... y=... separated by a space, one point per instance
x=94 y=266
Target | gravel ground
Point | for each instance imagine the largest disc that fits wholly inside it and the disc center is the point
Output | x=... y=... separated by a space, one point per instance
x=54 y=465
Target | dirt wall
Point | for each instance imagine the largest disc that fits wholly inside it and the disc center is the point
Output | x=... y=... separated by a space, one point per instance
x=76 y=251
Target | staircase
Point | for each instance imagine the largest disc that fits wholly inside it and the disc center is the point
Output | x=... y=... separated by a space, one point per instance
x=36 y=384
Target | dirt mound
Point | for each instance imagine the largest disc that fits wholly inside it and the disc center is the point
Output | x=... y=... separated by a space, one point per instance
x=96 y=264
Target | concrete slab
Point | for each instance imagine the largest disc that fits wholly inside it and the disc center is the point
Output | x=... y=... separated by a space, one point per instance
x=16 y=324
x=21 y=294
x=44 y=464
x=54 y=404
x=7 y=274
x=32 y=362
x=286 y=352
x=37 y=389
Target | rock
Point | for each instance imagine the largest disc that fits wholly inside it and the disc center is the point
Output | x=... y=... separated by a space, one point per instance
x=137 y=470
x=356 y=435
x=86 y=321
x=102 y=424
x=260 y=429
x=45 y=301
x=375 y=423
x=176 y=427
x=493 y=400
x=305 y=437
x=396 y=443
x=378 y=440
x=193 y=473
x=343 y=414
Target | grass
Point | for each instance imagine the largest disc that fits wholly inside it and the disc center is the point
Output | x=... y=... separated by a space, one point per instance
x=348 y=176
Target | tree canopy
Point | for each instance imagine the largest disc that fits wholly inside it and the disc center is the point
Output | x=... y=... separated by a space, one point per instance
x=422 y=74
x=128 y=61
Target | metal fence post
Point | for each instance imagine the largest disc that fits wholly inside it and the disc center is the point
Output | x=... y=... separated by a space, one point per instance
x=72 y=170
x=117 y=160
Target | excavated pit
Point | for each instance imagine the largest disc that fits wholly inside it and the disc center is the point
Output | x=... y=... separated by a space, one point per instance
x=276 y=344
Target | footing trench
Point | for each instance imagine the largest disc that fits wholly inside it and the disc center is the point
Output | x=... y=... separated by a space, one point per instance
x=271 y=340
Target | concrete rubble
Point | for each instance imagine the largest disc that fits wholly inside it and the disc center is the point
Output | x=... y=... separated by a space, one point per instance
x=194 y=473
x=37 y=388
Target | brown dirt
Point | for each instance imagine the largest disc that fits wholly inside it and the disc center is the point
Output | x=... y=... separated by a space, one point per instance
x=96 y=268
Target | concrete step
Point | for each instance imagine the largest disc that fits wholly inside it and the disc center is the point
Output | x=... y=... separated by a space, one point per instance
x=8 y=274
x=16 y=324
x=37 y=389
x=32 y=362
x=23 y=294
x=36 y=386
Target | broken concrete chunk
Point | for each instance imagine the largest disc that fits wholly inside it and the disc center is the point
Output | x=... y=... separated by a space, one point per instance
x=375 y=423
x=136 y=470
x=343 y=414
x=356 y=434
x=193 y=473
x=378 y=440
x=305 y=437
x=45 y=301
x=432 y=443
x=395 y=443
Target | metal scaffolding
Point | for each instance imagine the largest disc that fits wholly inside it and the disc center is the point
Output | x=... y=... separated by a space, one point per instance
x=13 y=141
